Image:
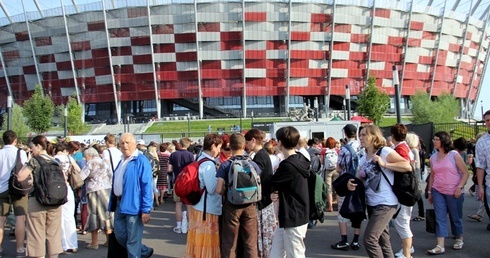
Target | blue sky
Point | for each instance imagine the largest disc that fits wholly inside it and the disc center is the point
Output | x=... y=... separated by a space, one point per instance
x=15 y=7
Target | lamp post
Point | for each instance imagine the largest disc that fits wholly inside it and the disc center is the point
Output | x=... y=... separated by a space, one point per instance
x=188 y=124
x=481 y=106
x=252 y=116
x=238 y=131
x=347 y=100
x=9 y=111
x=65 y=113
x=345 y=111
x=315 y=105
x=396 y=82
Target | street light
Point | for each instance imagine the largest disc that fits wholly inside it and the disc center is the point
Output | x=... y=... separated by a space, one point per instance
x=481 y=106
x=252 y=116
x=315 y=105
x=396 y=82
x=65 y=113
x=9 y=111
x=343 y=107
x=188 y=124
x=347 y=100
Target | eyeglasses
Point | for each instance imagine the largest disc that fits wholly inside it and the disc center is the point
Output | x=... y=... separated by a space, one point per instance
x=436 y=139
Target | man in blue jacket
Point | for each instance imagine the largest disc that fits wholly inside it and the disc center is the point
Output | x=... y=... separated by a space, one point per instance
x=132 y=197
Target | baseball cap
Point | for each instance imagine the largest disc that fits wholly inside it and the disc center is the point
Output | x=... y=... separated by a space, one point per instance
x=350 y=130
x=141 y=141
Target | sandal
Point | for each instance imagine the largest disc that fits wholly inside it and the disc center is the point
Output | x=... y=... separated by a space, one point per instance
x=418 y=218
x=436 y=250
x=458 y=245
x=475 y=217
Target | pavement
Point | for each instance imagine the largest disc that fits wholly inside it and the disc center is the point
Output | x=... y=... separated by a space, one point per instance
x=158 y=234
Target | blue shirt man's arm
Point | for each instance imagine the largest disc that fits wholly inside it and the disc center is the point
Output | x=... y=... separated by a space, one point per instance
x=146 y=184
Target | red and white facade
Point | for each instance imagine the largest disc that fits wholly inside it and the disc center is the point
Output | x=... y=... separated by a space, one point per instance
x=211 y=49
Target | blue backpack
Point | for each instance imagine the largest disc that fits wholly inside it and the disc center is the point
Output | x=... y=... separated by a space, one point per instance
x=354 y=160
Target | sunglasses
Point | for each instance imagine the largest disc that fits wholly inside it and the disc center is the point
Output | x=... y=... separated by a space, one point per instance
x=227 y=149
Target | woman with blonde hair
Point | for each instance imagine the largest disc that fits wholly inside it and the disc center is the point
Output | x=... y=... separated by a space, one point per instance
x=413 y=143
x=380 y=200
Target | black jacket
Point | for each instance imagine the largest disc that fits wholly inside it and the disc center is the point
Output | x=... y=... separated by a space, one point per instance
x=291 y=181
x=354 y=205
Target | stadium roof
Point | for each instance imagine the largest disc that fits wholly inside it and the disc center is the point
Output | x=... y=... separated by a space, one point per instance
x=13 y=10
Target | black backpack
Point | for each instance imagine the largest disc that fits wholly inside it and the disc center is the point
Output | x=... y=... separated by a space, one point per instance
x=405 y=186
x=49 y=183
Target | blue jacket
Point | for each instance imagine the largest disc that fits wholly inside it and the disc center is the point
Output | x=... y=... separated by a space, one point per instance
x=137 y=195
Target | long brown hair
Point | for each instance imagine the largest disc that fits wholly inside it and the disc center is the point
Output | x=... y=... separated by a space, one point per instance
x=375 y=136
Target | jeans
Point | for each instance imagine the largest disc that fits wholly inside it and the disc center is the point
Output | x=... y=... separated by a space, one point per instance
x=129 y=232
x=377 y=232
x=444 y=204
x=239 y=221
x=288 y=242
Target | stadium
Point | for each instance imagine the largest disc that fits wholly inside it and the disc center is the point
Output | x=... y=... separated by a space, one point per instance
x=162 y=58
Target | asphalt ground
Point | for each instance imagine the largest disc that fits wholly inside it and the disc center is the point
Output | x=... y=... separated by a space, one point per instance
x=158 y=234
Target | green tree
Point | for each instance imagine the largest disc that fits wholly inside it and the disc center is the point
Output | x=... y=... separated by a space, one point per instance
x=39 y=111
x=373 y=103
x=441 y=110
x=74 y=114
x=19 y=125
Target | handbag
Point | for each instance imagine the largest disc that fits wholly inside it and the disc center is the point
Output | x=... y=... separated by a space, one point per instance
x=15 y=187
x=74 y=178
x=430 y=220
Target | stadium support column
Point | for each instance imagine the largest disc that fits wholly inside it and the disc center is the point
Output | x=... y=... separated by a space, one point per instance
x=32 y=48
x=475 y=70
x=244 y=64
x=115 y=89
x=438 y=48
x=288 y=75
x=198 y=57
x=461 y=53
x=330 y=61
x=396 y=84
x=72 y=62
x=5 y=74
x=156 y=79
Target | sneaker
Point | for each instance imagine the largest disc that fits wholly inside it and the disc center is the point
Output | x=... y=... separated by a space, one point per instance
x=178 y=230
x=400 y=253
x=21 y=254
x=355 y=246
x=341 y=246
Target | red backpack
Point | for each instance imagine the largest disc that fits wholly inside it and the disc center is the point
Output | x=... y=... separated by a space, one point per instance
x=186 y=185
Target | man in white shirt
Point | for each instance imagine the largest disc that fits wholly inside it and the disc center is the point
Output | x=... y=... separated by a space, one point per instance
x=8 y=159
x=112 y=155
x=482 y=152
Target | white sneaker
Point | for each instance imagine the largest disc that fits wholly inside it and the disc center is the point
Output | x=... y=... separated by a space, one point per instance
x=400 y=253
x=178 y=230
x=184 y=222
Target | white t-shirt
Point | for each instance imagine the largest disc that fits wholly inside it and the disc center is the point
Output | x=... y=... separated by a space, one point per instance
x=116 y=156
x=384 y=195
x=8 y=155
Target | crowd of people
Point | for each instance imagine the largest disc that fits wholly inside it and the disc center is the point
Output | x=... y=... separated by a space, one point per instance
x=122 y=186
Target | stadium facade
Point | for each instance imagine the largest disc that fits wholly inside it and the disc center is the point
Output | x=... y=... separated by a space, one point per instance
x=159 y=58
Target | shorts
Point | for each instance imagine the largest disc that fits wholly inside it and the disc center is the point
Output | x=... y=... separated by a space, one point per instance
x=19 y=203
x=176 y=198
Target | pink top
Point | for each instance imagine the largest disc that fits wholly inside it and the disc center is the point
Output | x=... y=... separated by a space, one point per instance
x=446 y=174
